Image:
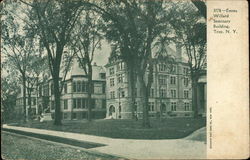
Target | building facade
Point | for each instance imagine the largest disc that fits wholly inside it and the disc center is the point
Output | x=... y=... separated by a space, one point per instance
x=75 y=92
x=170 y=94
x=31 y=101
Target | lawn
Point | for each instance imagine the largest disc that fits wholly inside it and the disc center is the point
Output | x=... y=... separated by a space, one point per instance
x=19 y=147
x=171 y=128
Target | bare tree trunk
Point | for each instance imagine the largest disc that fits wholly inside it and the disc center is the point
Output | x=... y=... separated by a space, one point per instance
x=132 y=82
x=144 y=92
x=29 y=102
x=90 y=87
x=194 y=95
x=57 y=95
x=24 y=96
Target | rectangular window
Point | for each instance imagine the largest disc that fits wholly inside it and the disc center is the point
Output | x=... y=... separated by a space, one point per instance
x=120 y=66
x=163 y=93
x=151 y=106
x=111 y=71
x=74 y=86
x=185 y=94
x=162 y=79
x=185 y=71
x=122 y=94
x=120 y=78
x=79 y=86
x=103 y=88
x=65 y=104
x=65 y=88
x=84 y=101
x=174 y=69
x=112 y=82
x=162 y=67
x=112 y=94
x=185 y=81
x=186 y=105
x=84 y=86
x=172 y=80
x=79 y=103
x=173 y=106
x=173 y=93
x=74 y=103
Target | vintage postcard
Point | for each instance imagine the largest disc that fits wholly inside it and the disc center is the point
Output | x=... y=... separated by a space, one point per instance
x=124 y=79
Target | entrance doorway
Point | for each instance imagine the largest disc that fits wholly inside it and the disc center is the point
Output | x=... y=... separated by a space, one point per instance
x=112 y=111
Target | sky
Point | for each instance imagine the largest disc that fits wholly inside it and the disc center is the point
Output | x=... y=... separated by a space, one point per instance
x=101 y=55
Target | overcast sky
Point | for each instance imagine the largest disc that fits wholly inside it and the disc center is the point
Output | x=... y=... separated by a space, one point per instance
x=101 y=56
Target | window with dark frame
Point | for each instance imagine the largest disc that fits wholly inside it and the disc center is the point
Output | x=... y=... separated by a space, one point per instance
x=65 y=104
x=173 y=106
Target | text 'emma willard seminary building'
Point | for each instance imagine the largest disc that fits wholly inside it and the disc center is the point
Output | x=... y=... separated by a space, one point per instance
x=170 y=94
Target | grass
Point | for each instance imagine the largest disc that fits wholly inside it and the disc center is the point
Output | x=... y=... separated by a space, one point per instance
x=19 y=147
x=172 y=128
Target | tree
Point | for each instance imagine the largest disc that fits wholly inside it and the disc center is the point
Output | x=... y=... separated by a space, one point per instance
x=201 y=5
x=190 y=30
x=36 y=66
x=133 y=26
x=53 y=22
x=9 y=91
x=17 y=47
x=87 y=38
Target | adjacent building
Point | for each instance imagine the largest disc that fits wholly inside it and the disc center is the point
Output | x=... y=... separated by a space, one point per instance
x=31 y=101
x=75 y=90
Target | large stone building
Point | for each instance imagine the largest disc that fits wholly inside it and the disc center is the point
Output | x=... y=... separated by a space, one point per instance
x=171 y=90
x=170 y=94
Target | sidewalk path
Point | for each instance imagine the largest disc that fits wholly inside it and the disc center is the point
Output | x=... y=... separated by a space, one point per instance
x=134 y=149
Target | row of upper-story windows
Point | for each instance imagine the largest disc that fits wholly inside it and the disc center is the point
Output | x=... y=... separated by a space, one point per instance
x=77 y=87
x=78 y=103
x=172 y=69
x=174 y=106
x=165 y=68
x=120 y=79
x=121 y=94
x=161 y=78
x=120 y=66
x=80 y=86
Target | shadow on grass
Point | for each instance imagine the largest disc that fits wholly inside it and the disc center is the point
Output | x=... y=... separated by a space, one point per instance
x=171 y=128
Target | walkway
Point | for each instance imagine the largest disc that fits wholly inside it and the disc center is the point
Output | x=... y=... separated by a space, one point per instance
x=135 y=149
